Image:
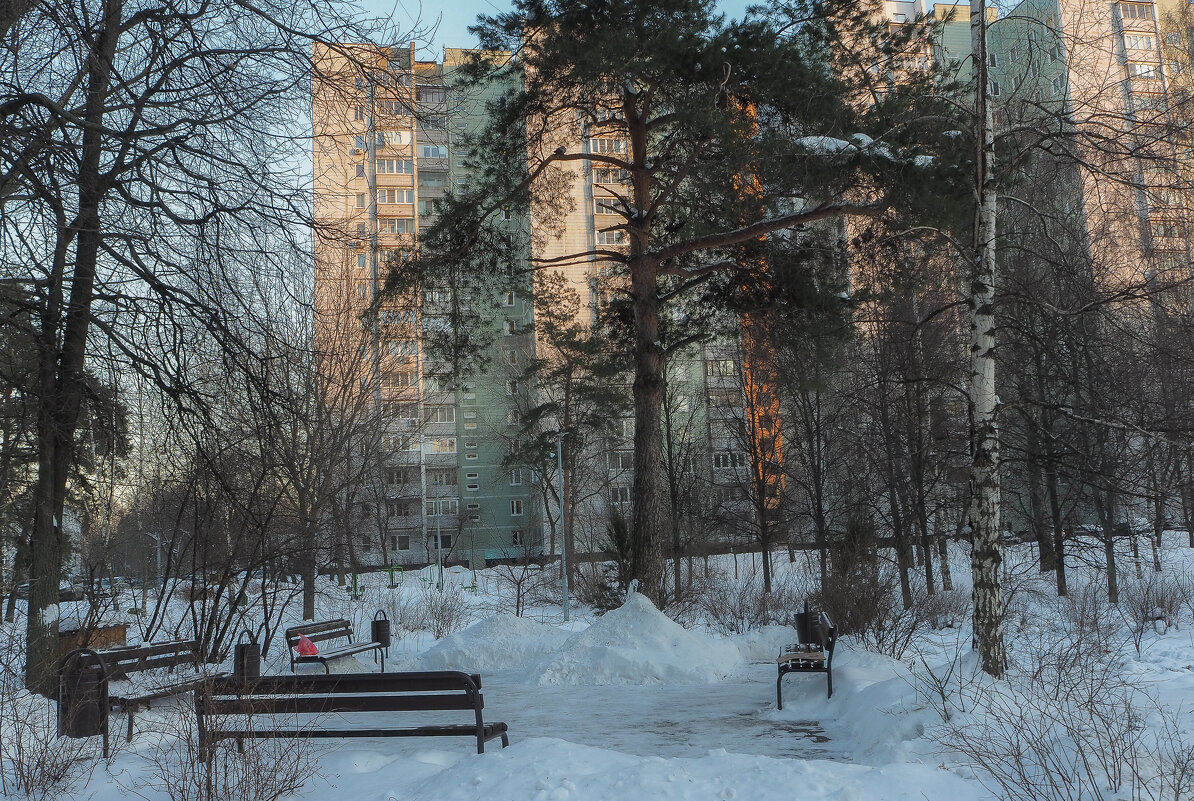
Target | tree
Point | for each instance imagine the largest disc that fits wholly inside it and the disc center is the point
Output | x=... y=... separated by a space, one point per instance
x=144 y=154
x=705 y=136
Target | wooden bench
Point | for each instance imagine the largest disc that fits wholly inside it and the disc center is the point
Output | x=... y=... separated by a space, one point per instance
x=812 y=654
x=228 y=707
x=86 y=675
x=331 y=630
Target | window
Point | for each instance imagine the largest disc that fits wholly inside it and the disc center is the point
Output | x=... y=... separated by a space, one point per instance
x=611 y=237
x=399 y=380
x=506 y=213
x=445 y=542
x=472 y=446
x=992 y=60
x=407 y=411
x=511 y=356
x=516 y=508
x=430 y=94
x=619 y=495
x=435 y=152
x=444 y=445
x=399 y=509
x=721 y=367
x=609 y=175
x=513 y=417
x=511 y=387
x=606 y=205
x=1136 y=10
x=508 y=300
x=472 y=487
x=516 y=477
x=1054 y=53
x=728 y=459
x=1138 y=41
x=395 y=166
x=359 y=82
x=392 y=138
x=724 y=397
x=396 y=225
x=396 y=476
x=360 y=170
x=441 y=478
x=360 y=200
x=400 y=542
x=1138 y=69
x=400 y=347
x=1058 y=85
x=443 y=506
x=994 y=88
x=621 y=460
x=441 y=414
x=625 y=427
x=516 y=537
x=508 y=327
x=358 y=113
x=606 y=145
x=391 y=196
x=362 y=261
x=471 y=475
x=725 y=494
x=515 y=446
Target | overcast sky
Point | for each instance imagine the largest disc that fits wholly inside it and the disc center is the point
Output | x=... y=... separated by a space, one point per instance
x=453 y=17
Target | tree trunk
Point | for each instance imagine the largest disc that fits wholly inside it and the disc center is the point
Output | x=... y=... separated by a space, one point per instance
x=61 y=370
x=986 y=556
x=646 y=544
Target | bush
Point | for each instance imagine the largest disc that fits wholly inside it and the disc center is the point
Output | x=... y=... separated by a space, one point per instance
x=265 y=770
x=446 y=610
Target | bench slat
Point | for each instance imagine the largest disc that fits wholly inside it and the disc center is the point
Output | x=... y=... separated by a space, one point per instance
x=419 y=681
x=315 y=704
x=491 y=730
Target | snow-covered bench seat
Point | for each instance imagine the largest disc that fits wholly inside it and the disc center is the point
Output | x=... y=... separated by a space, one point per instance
x=128 y=678
x=232 y=707
x=812 y=654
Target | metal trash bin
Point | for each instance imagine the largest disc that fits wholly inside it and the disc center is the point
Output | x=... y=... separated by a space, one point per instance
x=246 y=657
x=82 y=696
x=380 y=629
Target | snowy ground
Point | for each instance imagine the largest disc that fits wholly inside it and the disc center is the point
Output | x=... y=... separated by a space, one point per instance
x=633 y=706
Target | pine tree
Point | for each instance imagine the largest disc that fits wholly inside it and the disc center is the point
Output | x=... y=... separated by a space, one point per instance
x=714 y=136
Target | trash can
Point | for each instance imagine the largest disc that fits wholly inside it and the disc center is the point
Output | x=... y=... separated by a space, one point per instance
x=81 y=697
x=246 y=657
x=380 y=629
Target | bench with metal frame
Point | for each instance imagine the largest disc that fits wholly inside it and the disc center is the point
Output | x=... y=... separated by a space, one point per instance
x=330 y=630
x=813 y=654
x=85 y=675
x=228 y=707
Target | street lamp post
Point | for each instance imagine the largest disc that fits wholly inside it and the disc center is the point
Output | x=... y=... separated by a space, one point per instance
x=563 y=525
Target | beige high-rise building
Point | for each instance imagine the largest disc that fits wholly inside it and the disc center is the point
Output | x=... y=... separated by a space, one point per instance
x=389 y=141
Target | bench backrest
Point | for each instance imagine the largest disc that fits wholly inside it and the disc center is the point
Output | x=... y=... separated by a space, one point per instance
x=360 y=692
x=815 y=628
x=320 y=632
x=120 y=662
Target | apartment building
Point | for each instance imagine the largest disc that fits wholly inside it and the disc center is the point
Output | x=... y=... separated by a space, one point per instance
x=389 y=134
x=1093 y=74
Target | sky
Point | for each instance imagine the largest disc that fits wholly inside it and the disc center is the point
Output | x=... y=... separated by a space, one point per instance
x=452 y=18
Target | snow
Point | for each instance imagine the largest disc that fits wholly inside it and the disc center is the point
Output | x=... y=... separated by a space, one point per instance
x=637 y=644
x=632 y=705
x=501 y=642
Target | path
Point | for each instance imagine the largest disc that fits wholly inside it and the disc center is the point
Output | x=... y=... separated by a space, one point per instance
x=678 y=720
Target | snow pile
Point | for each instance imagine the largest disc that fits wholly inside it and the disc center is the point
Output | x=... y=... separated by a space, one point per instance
x=763 y=644
x=501 y=642
x=638 y=644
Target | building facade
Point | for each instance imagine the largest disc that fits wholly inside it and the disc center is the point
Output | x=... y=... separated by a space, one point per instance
x=389 y=134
